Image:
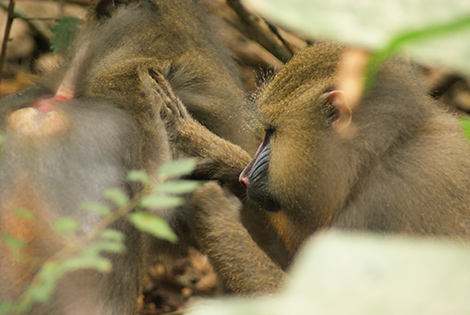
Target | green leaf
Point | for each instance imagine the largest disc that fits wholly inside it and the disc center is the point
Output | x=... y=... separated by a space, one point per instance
x=138 y=176
x=64 y=32
x=160 y=202
x=465 y=123
x=91 y=250
x=24 y=213
x=6 y=308
x=2 y=140
x=153 y=225
x=66 y=225
x=413 y=37
x=96 y=207
x=87 y=262
x=177 y=168
x=113 y=235
x=12 y=242
x=429 y=30
x=42 y=293
x=14 y=308
x=52 y=271
x=112 y=247
x=94 y=249
x=117 y=196
x=113 y=241
x=178 y=186
x=48 y=276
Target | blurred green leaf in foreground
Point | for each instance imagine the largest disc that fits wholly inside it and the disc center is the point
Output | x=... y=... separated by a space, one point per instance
x=429 y=30
x=359 y=274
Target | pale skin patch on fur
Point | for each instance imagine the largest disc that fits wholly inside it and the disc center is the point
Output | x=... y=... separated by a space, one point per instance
x=31 y=123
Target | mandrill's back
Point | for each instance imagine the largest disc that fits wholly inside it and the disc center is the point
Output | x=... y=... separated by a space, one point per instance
x=177 y=38
x=417 y=178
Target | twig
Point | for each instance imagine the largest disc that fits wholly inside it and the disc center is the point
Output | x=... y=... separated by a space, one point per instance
x=264 y=35
x=79 y=2
x=6 y=36
x=61 y=9
x=38 y=18
x=442 y=85
x=276 y=32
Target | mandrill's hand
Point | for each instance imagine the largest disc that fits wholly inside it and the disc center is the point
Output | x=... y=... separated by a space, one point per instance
x=172 y=111
x=219 y=159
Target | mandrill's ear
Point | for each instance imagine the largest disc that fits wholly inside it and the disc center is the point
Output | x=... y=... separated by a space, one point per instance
x=343 y=117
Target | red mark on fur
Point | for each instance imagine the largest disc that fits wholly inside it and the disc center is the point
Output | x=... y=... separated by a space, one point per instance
x=46 y=105
x=62 y=96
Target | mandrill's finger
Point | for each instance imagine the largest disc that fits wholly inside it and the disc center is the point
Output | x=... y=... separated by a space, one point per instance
x=173 y=109
x=153 y=91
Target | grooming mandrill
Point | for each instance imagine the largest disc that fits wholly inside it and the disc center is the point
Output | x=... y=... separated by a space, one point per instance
x=92 y=120
x=396 y=163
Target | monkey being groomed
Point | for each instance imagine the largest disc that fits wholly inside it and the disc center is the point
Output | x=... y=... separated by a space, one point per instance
x=89 y=122
x=396 y=163
x=58 y=155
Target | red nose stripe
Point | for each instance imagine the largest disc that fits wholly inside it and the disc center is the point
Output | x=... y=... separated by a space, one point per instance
x=243 y=180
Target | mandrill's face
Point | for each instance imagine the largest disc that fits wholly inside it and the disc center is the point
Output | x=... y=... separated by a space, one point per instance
x=284 y=178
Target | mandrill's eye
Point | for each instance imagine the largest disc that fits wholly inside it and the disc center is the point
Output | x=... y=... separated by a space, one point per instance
x=269 y=132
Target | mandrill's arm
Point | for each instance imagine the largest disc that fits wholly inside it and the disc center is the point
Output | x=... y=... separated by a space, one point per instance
x=220 y=159
x=240 y=264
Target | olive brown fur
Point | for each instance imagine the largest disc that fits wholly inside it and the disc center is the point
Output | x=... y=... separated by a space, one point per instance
x=398 y=162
